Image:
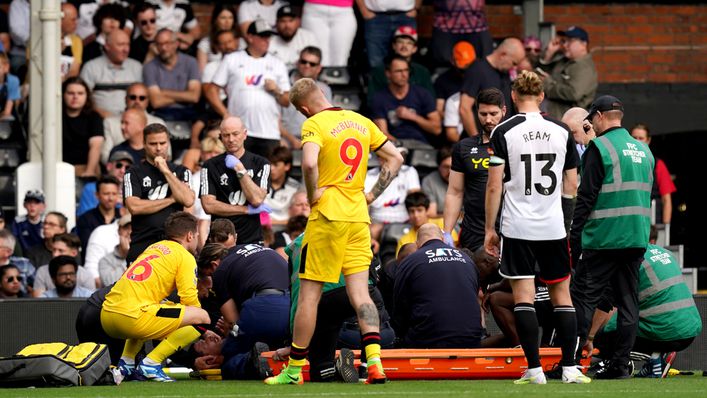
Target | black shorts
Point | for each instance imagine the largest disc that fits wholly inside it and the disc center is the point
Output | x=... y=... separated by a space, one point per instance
x=518 y=259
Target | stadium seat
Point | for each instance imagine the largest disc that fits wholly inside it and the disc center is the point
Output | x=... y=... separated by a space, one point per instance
x=5 y=129
x=296 y=169
x=424 y=158
x=373 y=160
x=179 y=130
x=349 y=98
x=389 y=239
x=335 y=76
x=9 y=156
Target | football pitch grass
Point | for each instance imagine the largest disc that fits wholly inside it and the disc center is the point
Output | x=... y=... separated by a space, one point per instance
x=674 y=387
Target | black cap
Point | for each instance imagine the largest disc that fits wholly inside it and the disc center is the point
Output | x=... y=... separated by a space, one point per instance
x=35 y=194
x=575 y=32
x=286 y=11
x=603 y=104
x=261 y=28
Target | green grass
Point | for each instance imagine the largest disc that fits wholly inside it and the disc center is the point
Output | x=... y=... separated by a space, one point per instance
x=676 y=387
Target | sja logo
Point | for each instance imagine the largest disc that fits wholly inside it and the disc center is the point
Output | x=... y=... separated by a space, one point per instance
x=224 y=179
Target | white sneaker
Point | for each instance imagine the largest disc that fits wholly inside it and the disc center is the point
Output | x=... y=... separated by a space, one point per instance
x=532 y=376
x=570 y=374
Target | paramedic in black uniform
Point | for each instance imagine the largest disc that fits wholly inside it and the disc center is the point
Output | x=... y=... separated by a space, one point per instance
x=234 y=184
x=153 y=189
x=436 y=289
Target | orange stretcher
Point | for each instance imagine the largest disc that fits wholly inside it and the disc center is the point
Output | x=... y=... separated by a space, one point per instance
x=477 y=363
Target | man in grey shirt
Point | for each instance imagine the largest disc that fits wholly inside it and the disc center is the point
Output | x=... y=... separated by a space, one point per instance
x=109 y=75
x=435 y=184
x=173 y=80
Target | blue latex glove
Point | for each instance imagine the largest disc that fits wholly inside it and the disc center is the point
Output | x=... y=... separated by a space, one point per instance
x=263 y=208
x=448 y=239
x=232 y=161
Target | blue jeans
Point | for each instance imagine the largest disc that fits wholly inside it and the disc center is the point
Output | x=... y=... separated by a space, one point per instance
x=262 y=319
x=379 y=32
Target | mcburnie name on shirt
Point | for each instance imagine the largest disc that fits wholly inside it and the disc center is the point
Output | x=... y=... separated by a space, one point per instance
x=636 y=154
x=444 y=254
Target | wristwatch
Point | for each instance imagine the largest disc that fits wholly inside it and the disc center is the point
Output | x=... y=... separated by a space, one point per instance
x=241 y=173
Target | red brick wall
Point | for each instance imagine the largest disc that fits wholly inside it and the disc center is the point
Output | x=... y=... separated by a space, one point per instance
x=630 y=43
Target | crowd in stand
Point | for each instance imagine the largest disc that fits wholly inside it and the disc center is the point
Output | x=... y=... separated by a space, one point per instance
x=135 y=72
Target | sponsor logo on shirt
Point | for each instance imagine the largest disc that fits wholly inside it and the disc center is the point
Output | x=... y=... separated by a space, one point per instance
x=253 y=80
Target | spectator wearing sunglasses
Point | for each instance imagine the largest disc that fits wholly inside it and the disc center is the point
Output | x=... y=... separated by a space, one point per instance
x=142 y=47
x=27 y=270
x=118 y=164
x=309 y=65
x=533 y=47
x=10 y=282
x=135 y=98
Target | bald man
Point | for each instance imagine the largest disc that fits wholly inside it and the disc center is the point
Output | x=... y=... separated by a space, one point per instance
x=581 y=129
x=109 y=75
x=435 y=295
x=235 y=183
x=132 y=124
x=491 y=71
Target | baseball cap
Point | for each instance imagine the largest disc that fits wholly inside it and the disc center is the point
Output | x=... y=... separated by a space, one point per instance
x=120 y=155
x=464 y=54
x=406 y=31
x=286 y=11
x=603 y=104
x=36 y=195
x=575 y=32
x=261 y=28
x=124 y=220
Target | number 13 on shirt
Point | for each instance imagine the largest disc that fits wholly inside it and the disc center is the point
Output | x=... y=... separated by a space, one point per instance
x=351 y=154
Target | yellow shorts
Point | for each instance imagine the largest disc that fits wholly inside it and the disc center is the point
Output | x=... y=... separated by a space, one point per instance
x=156 y=321
x=332 y=247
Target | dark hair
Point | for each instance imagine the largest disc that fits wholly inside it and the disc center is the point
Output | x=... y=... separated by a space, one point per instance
x=62 y=218
x=88 y=106
x=111 y=10
x=214 y=32
x=106 y=180
x=179 y=224
x=211 y=252
x=416 y=199
x=388 y=61
x=154 y=128
x=296 y=223
x=59 y=261
x=443 y=153
x=5 y=268
x=142 y=7
x=220 y=229
x=280 y=154
x=491 y=96
x=316 y=51
x=71 y=240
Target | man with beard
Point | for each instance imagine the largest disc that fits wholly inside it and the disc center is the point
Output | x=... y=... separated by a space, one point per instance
x=63 y=271
x=291 y=39
x=467 y=180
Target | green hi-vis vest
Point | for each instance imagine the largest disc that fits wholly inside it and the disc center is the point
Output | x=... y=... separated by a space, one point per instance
x=294 y=252
x=667 y=310
x=621 y=215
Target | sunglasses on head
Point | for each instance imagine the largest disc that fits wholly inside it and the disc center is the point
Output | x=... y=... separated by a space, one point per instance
x=134 y=97
x=148 y=21
x=13 y=278
x=120 y=165
x=305 y=62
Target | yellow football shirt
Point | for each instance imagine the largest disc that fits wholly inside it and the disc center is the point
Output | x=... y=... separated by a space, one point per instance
x=154 y=275
x=346 y=139
x=411 y=235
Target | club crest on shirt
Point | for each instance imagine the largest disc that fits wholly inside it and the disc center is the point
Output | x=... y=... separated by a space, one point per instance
x=147 y=182
x=474 y=151
x=224 y=179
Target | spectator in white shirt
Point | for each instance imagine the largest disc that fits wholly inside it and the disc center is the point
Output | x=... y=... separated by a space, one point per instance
x=291 y=39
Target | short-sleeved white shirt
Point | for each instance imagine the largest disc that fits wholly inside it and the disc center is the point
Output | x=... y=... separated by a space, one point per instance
x=390 y=205
x=244 y=77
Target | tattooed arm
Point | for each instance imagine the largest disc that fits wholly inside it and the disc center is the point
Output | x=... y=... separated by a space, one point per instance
x=390 y=160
